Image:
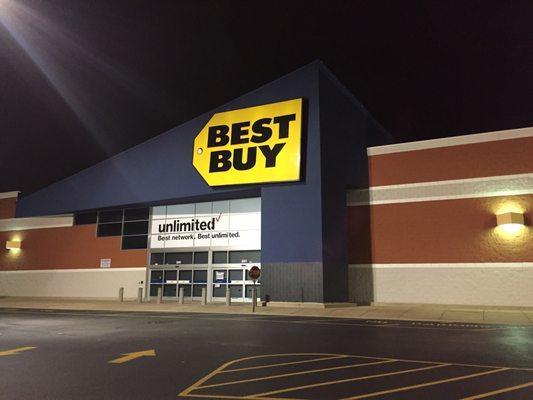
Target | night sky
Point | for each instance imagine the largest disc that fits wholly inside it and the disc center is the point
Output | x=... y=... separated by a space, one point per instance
x=83 y=80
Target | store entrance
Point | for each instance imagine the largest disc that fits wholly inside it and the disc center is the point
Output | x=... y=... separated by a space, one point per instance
x=215 y=270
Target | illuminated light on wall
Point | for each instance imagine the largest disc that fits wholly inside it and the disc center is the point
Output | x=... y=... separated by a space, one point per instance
x=510 y=222
x=506 y=205
x=510 y=218
x=13 y=245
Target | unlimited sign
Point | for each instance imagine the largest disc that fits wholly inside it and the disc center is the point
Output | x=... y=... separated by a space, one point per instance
x=251 y=145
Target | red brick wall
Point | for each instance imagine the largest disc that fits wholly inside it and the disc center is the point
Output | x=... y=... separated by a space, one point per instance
x=447 y=231
x=68 y=247
x=7 y=207
x=503 y=157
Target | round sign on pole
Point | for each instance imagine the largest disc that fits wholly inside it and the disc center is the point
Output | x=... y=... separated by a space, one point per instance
x=254 y=273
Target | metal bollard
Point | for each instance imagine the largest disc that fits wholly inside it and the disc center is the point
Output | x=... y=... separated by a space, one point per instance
x=228 y=296
x=121 y=294
x=204 y=296
x=181 y=296
x=159 y=295
x=140 y=295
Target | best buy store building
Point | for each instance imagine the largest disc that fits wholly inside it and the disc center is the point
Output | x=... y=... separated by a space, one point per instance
x=297 y=178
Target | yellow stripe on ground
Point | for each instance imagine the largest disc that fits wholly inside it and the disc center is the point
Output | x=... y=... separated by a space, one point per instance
x=222 y=396
x=285 y=363
x=494 y=392
x=264 y=378
x=444 y=362
x=12 y=352
x=421 y=385
x=360 y=378
x=205 y=378
x=133 y=356
x=225 y=365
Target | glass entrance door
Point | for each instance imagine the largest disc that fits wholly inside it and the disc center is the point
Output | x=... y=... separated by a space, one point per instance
x=215 y=271
x=171 y=270
x=227 y=277
x=230 y=270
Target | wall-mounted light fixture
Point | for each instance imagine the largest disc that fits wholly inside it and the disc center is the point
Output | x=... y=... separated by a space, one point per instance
x=13 y=244
x=510 y=218
x=510 y=223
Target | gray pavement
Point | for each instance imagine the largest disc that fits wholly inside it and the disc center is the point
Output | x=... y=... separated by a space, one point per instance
x=415 y=312
x=85 y=355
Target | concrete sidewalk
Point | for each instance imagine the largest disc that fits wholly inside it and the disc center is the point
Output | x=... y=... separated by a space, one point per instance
x=419 y=312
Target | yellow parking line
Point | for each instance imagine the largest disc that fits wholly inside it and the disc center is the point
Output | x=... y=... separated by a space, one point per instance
x=221 y=396
x=225 y=365
x=446 y=362
x=285 y=363
x=421 y=385
x=325 y=356
x=12 y=352
x=494 y=392
x=360 y=378
x=205 y=378
x=264 y=378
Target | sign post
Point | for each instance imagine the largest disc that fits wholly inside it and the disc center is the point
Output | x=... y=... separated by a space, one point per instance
x=254 y=275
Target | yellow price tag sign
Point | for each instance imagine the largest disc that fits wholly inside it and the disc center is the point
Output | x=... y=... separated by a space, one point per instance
x=251 y=145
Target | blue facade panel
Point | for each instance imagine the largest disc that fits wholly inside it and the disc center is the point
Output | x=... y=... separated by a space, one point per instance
x=346 y=130
x=303 y=224
x=160 y=171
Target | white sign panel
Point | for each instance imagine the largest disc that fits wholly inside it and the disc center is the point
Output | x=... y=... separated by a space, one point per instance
x=235 y=223
x=105 y=263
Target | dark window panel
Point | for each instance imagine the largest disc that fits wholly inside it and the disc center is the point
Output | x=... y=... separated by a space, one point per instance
x=157 y=258
x=171 y=275
x=156 y=276
x=110 y=216
x=235 y=275
x=219 y=291
x=236 y=291
x=200 y=276
x=247 y=256
x=136 y=214
x=135 y=228
x=220 y=257
x=153 y=289
x=185 y=275
x=200 y=257
x=186 y=289
x=134 y=242
x=197 y=290
x=109 y=230
x=85 y=218
x=169 y=290
x=178 y=258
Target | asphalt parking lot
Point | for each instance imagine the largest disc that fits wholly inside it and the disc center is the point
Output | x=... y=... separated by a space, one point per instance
x=96 y=355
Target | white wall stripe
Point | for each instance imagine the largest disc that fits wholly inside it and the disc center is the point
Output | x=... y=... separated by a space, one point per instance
x=451 y=141
x=462 y=180
x=477 y=284
x=89 y=283
x=8 y=195
x=446 y=265
x=22 y=224
x=507 y=185
x=70 y=270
